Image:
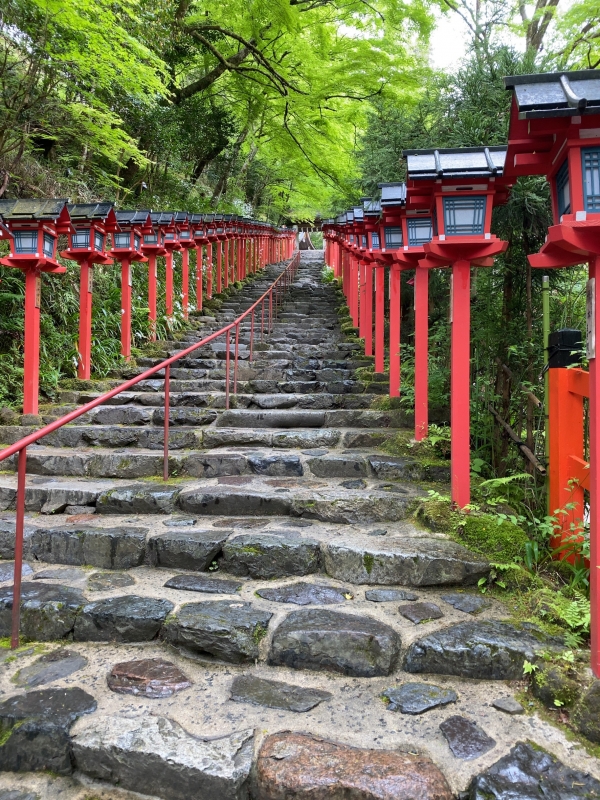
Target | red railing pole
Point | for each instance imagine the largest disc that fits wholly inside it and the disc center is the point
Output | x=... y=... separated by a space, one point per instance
x=262 y=321
x=251 y=334
x=395 y=312
x=270 y=311
x=152 y=279
x=19 y=528
x=166 y=424
x=227 y=346
x=379 y=319
x=235 y=362
x=185 y=281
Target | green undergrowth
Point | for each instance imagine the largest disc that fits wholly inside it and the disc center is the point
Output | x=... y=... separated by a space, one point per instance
x=435 y=450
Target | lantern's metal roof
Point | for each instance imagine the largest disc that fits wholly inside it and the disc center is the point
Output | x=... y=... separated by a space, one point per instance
x=393 y=194
x=349 y=216
x=208 y=217
x=32 y=209
x=359 y=213
x=341 y=219
x=556 y=94
x=372 y=207
x=81 y=211
x=196 y=218
x=132 y=217
x=181 y=217
x=460 y=162
x=160 y=217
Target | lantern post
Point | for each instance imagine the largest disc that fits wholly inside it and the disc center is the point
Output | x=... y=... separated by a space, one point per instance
x=200 y=239
x=87 y=246
x=372 y=214
x=219 y=238
x=460 y=188
x=186 y=242
x=32 y=227
x=555 y=131
x=153 y=235
x=171 y=243
x=127 y=249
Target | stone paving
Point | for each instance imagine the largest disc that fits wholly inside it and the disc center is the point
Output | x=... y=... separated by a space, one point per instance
x=269 y=624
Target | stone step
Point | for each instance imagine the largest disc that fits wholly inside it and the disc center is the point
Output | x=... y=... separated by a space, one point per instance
x=99 y=462
x=236 y=418
x=218 y=399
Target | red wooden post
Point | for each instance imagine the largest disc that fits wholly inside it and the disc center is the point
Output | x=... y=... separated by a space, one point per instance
x=226 y=262
x=199 y=276
x=219 y=266
x=368 y=334
x=209 y=270
x=185 y=280
x=84 y=346
x=379 y=319
x=362 y=294
x=421 y=353
x=395 y=319
x=594 y=485
x=33 y=293
x=19 y=532
x=460 y=383
x=126 y=282
x=152 y=282
x=169 y=283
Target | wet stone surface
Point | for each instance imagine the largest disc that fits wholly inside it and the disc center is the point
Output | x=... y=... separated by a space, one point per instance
x=297 y=765
x=186 y=549
x=150 y=677
x=37 y=727
x=221 y=629
x=357 y=483
x=68 y=574
x=275 y=694
x=509 y=705
x=108 y=548
x=156 y=756
x=48 y=610
x=532 y=774
x=586 y=715
x=469 y=603
x=320 y=639
x=378 y=532
x=487 y=650
x=421 y=612
x=303 y=594
x=466 y=739
x=198 y=583
x=179 y=523
x=50 y=667
x=7 y=570
x=240 y=523
x=389 y=595
x=15 y=794
x=122 y=619
x=270 y=556
x=105 y=581
x=416 y=698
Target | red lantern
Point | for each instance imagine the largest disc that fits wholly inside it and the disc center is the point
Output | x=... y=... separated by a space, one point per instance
x=32 y=227
x=87 y=246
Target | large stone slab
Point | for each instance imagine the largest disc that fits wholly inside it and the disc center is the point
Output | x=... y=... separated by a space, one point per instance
x=304 y=594
x=50 y=667
x=140 y=498
x=420 y=612
x=304 y=767
x=276 y=465
x=389 y=595
x=410 y=562
x=466 y=739
x=221 y=629
x=7 y=570
x=489 y=650
x=263 y=555
x=48 y=611
x=586 y=714
x=468 y=603
x=35 y=729
x=321 y=639
x=156 y=756
x=198 y=583
x=225 y=500
x=416 y=698
x=122 y=619
x=530 y=773
x=109 y=548
x=275 y=694
x=183 y=548
x=150 y=677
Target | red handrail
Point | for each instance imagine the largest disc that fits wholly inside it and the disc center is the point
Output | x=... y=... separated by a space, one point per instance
x=283 y=280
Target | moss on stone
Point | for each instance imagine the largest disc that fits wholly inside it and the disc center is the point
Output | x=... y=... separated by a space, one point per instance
x=368 y=561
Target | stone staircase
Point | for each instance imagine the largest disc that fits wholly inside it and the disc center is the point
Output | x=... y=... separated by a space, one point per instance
x=270 y=623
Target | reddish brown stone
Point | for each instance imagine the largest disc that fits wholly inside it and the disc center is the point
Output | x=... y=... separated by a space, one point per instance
x=297 y=766
x=152 y=677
